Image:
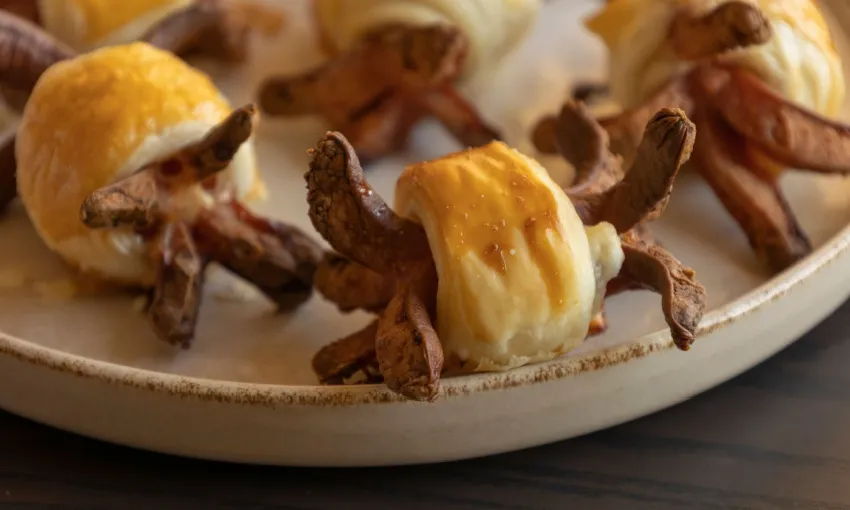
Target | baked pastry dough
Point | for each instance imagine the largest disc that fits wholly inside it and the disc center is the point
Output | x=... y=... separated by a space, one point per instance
x=485 y=263
x=520 y=277
x=761 y=79
x=493 y=27
x=800 y=60
x=88 y=24
x=97 y=118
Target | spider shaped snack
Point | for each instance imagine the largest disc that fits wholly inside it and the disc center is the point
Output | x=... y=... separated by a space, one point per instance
x=486 y=264
x=133 y=168
x=758 y=78
x=397 y=62
x=218 y=28
x=37 y=34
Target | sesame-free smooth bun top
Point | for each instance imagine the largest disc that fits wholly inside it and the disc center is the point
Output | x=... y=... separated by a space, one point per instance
x=800 y=61
x=88 y=24
x=520 y=276
x=493 y=27
x=99 y=117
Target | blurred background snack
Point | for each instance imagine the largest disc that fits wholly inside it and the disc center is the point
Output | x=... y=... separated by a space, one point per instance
x=761 y=79
x=401 y=62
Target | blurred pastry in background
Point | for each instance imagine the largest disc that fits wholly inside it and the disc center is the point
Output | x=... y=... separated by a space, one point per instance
x=485 y=264
x=394 y=63
x=762 y=80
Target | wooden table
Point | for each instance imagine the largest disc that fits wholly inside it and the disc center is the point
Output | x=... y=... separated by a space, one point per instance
x=777 y=437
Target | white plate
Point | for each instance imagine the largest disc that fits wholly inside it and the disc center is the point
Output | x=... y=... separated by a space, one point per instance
x=245 y=391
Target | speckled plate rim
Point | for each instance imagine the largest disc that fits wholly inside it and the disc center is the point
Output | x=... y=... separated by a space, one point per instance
x=234 y=392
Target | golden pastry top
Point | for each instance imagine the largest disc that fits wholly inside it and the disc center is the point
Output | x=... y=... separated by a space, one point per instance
x=515 y=262
x=482 y=198
x=95 y=118
x=493 y=27
x=803 y=14
x=85 y=24
x=801 y=60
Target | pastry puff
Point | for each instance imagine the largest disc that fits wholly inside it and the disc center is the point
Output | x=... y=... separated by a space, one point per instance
x=88 y=24
x=95 y=119
x=484 y=263
x=800 y=61
x=521 y=277
x=216 y=28
x=493 y=27
x=762 y=81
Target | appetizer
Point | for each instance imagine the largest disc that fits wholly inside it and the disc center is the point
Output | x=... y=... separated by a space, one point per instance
x=133 y=168
x=395 y=62
x=182 y=27
x=214 y=27
x=485 y=264
x=760 y=79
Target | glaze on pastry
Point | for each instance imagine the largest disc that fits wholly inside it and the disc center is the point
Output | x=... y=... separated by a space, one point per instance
x=520 y=276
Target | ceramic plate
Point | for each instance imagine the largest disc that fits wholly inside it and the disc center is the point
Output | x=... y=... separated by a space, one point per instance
x=245 y=391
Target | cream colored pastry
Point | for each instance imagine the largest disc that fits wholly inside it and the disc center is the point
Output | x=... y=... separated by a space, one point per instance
x=800 y=61
x=98 y=117
x=493 y=27
x=520 y=276
x=88 y=24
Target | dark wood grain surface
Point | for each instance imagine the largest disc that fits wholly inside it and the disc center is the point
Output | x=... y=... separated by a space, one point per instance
x=775 y=438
